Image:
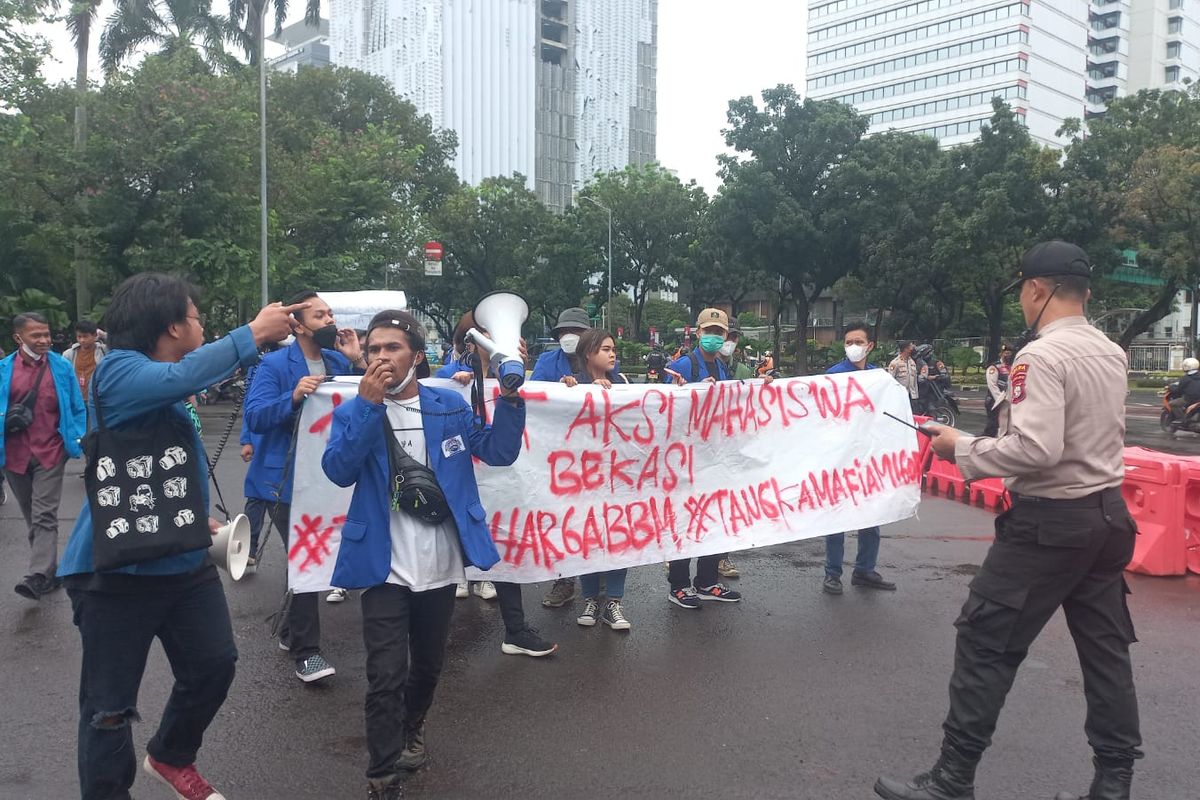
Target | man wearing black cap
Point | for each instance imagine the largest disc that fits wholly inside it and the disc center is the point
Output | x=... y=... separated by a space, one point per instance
x=1064 y=543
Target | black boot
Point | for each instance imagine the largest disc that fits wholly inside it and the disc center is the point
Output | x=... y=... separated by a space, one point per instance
x=1111 y=782
x=952 y=778
x=413 y=756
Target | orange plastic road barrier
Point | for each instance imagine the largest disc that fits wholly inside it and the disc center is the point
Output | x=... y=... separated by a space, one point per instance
x=989 y=493
x=1154 y=491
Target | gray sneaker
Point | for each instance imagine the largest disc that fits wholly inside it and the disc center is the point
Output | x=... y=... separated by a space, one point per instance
x=832 y=585
x=413 y=756
x=562 y=592
x=314 y=668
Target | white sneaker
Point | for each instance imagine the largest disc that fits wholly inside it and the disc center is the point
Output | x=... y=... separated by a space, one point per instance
x=461 y=591
x=337 y=596
x=485 y=590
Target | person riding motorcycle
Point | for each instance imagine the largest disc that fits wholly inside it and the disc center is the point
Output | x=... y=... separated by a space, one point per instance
x=655 y=361
x=1186 y=392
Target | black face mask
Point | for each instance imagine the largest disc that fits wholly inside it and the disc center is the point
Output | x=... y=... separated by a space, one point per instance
x=326 y=337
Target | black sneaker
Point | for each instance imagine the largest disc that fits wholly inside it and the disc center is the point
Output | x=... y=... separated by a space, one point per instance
x=832 y=585
x=527 y=643
x=684 y=598
x=413 y=756
x=28 y=587
x=719 y=592
x=385 y=789
x=872 y=580
x=314 y=668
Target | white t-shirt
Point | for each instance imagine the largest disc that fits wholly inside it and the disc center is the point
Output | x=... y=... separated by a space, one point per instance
x=424 y=556
x=315 y=367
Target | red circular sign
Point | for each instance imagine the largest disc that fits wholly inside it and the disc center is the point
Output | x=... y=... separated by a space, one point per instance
x=433 y=251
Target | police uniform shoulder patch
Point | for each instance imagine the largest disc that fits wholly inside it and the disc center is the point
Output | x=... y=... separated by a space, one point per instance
x=1016 y=382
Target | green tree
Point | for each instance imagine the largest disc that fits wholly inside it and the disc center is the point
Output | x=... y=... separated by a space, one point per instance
x=655 y=221
x=1095 y=207
x=492 y=235
x=775 y=206
x=170 y=26
x=1001 y=199
x=891 y=187
x=1162 y=208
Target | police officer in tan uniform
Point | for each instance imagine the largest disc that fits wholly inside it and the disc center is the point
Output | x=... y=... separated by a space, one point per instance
x=1064 y=543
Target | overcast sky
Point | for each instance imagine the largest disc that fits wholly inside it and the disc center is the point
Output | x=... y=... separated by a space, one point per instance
x=709 y=52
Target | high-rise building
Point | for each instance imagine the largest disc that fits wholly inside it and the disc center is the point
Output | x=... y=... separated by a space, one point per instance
x=553 y=89
x=306 y=46
x=1140 y=44
x=933 y=66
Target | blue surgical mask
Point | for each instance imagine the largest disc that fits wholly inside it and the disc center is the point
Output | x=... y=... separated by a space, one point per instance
x=711 y=342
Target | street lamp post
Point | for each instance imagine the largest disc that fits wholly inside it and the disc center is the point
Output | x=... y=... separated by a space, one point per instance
x=262 y=146
x=607 y=210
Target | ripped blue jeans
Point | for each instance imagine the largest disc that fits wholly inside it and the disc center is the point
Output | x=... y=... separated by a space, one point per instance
x=117 y=629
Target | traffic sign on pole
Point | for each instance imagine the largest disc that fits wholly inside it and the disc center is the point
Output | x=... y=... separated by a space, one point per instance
x=433 y=258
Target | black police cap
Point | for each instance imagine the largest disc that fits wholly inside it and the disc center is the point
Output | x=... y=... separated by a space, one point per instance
x=1047 y=259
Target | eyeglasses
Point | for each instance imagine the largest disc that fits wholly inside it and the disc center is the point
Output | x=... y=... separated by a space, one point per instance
x=198 y=317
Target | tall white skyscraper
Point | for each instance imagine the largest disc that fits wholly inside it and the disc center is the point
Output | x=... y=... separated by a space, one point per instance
x=553 y=89
x=933 y=66
x=1140 y=44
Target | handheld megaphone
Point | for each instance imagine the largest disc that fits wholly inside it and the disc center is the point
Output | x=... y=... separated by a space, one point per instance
x=231 y=546
x=502 y=314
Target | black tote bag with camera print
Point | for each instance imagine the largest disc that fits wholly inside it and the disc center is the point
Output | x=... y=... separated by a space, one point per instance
x=144 y=486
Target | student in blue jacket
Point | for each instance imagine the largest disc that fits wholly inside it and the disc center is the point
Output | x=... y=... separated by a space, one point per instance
x=158 y=358
x=407 y=565
x=458 y=363
x=859 y=340
x=273 y=400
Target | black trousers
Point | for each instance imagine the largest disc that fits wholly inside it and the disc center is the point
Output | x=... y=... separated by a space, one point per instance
x=192 y=623
x=1047 y=555
x=512 y=611
x=302 y=628
x=679 y=573
x=405 y=636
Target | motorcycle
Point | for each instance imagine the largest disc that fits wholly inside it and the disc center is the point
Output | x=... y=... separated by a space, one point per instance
x=941 y=404
x=1167 y=420
x=655 y=361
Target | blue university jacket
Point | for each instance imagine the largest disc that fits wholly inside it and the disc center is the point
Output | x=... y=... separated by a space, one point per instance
x=687 y=367
x=269 y=413
x=357 y=454
x=132 y=385
x=456 y=364
x=846 y=365
x=72 y=419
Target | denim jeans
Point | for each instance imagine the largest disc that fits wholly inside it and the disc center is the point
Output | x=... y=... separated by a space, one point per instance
x=868 y=552
x=405 y=635
x=256 y=512
x=512 y=609
x=117 y=630
x=614 y=584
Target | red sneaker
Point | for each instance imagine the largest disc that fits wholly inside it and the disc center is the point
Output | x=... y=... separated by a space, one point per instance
x=186 y=782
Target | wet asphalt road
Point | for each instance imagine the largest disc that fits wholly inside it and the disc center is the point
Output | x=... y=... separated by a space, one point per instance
x=790 y=694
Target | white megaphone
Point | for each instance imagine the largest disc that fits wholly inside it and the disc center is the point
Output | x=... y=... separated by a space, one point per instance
x=231 y=546
x=502 y=314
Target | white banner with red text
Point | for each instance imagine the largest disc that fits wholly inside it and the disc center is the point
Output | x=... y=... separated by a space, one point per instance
x=641 y=474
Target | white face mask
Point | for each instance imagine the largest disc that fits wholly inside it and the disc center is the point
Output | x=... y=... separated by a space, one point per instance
x=856 y=353
x=728 y=348
x=29 y=352
x=412 y=371
x=568 y=342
